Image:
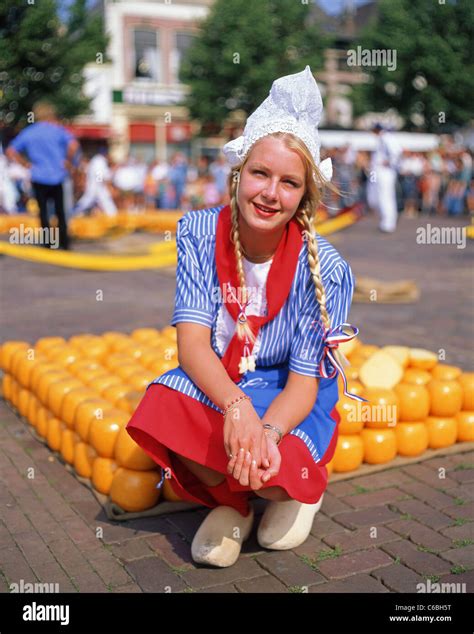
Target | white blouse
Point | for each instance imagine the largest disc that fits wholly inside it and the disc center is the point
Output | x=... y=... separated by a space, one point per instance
x=256 y=278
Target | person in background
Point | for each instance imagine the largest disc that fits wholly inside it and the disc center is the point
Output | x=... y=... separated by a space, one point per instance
x=362 y=169
x=431 y=183
x=140 y=169
x=127 y=179
x=470 y=198
x=411 y=171
x=453 y=201
x=219 y=171
x=466 y=168
x=193 y=197
x=178 y=176
x=202 y=165
x=212 y=195
x=149 y=188
x=20 y=177
x=50 y=151
x=447 y=173
x=97 y=192
x=80 y=177
x=159 y=174
x=346 y=160
x=8 y=192
x=383 y=168
x=193 y=172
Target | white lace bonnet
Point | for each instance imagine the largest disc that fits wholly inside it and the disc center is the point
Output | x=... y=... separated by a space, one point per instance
x=293 y=105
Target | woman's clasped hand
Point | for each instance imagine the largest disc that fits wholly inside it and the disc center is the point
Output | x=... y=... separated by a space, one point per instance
x=254 y=454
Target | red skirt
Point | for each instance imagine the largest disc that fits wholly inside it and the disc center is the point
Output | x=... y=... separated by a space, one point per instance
x=167 y=420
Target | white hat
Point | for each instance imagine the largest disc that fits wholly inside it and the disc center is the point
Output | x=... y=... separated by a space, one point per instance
x=293 y=105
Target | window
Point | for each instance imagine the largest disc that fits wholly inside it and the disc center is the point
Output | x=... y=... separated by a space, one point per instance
x=182 y=42
x=147 y=55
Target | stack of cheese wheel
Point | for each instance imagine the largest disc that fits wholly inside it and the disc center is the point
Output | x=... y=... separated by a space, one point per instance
x=89 y=227
x=15 y=221
x=96 y=226
x=415 y=402
x=79 y=395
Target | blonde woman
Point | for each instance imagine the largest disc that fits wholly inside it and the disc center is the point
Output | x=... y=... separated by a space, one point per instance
x=261 y=304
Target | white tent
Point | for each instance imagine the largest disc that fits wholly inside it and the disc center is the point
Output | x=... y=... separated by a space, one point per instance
x=359 y=140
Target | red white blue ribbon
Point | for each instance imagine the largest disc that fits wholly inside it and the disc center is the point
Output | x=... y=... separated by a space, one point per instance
x=332 y=337
x=247 y=361
x=242 y=317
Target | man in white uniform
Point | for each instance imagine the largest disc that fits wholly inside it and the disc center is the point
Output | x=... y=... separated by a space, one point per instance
x=97 y=191
x=383 y=176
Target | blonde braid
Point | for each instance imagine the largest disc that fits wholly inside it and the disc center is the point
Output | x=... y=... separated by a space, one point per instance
x=241 y=329
x=303 y=217
x=314 y=264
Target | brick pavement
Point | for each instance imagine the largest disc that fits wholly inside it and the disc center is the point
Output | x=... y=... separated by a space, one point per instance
x=384 y=532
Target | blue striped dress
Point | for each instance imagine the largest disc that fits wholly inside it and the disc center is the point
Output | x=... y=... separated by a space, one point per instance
x=288 y=342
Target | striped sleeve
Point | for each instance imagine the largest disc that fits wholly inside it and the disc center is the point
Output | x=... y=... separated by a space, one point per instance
x=307 y=345
x=192 y=301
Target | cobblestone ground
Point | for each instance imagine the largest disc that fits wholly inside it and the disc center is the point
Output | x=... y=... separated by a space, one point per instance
x=423 y=522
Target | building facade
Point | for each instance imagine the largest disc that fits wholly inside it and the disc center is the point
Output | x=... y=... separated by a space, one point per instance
x=135 y=88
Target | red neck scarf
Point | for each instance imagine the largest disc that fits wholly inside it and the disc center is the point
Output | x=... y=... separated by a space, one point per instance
x=279 y=280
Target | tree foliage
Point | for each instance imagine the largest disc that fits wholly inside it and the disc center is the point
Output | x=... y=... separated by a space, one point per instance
x=242 y=47
x=434 y=76
x=42 y=56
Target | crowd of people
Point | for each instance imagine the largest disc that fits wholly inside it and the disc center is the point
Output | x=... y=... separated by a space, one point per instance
x=99 y=183
x=177 y=184
x=437 y=182
x=44 y=162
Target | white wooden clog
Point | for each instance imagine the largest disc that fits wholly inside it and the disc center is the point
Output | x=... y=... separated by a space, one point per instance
x=286 y=525
x=219 y=539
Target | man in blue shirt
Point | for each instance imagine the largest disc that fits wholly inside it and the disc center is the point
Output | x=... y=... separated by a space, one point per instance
x=49 y=149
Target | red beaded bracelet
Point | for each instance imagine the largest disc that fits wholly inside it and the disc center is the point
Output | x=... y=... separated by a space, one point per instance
x=234 y=402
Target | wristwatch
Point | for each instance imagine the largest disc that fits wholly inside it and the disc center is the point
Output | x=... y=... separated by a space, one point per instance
x=275 y=429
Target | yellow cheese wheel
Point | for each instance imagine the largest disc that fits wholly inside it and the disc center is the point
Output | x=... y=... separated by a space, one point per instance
x=169 y=331
x=145 y=334
x=465 y=421
x=103 y=471
x=8 y=350
x=348 y=347
x=466 y=381
x=135 y=490
x=400 y=353
x=349 y=453
x=422 y=359
x=128 y=454
x=380 y=445
x=381 y=370
x=442 y=431
x=103 y=432
x=7 y=386
x=416 y=376
x=84 y=456
x=445 y=372
x=168 y=492
x=69 y=440
x=412 y=438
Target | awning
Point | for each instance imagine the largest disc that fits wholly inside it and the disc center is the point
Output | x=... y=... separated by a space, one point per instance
x=83 y=131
